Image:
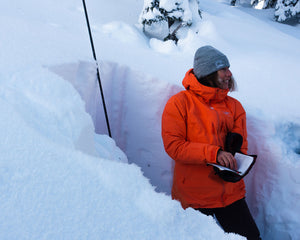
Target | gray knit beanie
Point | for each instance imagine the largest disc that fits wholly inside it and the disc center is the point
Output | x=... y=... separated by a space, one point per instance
x=208 y=60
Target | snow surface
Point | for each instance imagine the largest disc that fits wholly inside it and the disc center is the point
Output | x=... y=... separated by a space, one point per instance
x=62 y=177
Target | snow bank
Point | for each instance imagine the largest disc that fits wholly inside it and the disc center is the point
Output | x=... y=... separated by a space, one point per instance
x=272 y=185
x=51 y=187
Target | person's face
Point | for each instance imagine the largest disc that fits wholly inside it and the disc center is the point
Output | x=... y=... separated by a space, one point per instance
x=224 y=76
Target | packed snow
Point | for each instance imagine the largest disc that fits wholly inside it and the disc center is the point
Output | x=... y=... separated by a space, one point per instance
x=62 y=177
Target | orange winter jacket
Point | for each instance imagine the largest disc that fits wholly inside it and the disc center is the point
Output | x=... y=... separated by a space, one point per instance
x=194 y=127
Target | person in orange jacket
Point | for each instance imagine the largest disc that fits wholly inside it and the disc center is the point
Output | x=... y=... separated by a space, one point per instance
x=195 y=125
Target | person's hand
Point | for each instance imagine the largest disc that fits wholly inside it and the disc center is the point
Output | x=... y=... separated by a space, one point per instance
x=226 y=159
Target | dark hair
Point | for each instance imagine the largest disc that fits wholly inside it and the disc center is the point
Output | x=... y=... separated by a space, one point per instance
x=211 y=80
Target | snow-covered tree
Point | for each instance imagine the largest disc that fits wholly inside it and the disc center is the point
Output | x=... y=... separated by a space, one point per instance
x=258 y=4
x=163 y=18
x=232 y=2
x=287 y=10
x=263 y=4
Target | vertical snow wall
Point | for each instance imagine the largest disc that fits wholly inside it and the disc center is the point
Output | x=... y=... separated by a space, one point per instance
x=134 y=104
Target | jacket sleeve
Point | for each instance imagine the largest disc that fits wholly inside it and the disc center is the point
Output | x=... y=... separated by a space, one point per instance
x=175 y=137
x=240 y=125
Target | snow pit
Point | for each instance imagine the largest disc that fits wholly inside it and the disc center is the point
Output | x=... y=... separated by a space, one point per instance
x=135 y=102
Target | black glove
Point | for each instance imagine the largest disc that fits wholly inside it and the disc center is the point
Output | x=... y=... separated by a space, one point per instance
x=233 y=142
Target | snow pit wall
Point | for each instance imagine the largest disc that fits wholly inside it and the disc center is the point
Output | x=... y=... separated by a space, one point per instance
x=135 y=102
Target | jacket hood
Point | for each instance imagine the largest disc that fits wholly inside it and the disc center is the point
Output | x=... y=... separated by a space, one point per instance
x=191 y=83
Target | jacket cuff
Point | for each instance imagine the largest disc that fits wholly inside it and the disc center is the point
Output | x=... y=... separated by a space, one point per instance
x=214 y=154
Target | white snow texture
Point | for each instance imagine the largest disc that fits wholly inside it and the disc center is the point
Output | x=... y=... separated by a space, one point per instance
x=62 y=177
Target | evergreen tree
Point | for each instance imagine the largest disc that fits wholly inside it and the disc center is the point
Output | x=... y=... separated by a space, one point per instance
x=287 y=10
x=233 y=2
x=263 y=4
x=163 y=18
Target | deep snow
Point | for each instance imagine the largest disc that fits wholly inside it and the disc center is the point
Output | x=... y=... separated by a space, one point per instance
x=61 y=180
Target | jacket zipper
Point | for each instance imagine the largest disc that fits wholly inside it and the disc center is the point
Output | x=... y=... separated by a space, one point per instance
x=218 y=124
x=218 y=137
